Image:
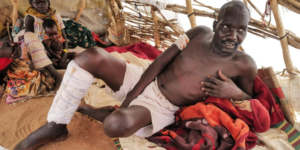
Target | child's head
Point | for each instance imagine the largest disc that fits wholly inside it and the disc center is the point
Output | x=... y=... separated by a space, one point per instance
x=41 y=6
x=50 y=28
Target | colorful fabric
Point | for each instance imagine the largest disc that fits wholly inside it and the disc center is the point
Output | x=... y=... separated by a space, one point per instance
x=4 y=62
x=36 y=50
x=117 y=143
x=24 y=81
x=292 y=133
x=49 y=15
x=58 y=37
x=78 y=35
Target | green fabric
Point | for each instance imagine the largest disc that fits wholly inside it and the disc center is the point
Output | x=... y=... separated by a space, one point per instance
x=78 y=35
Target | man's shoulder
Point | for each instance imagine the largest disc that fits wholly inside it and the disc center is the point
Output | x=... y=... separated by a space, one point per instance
x=245 y=62
x=200 y=31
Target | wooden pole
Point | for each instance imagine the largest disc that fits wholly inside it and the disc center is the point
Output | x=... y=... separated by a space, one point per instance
x=156 y=31
x=80 y=10
x=281 y=34
x=191 y=15
x=14 y=15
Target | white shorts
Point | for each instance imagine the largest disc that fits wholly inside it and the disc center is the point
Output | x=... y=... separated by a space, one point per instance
x=162 y=111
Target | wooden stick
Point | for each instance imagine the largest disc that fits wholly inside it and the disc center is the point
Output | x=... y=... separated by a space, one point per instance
x=156 y=31
x=257 y=10
x=190 y=11
x=281 y=33
x=171 y=26
x=80 y=10
x=14 y=15
x=7 y=27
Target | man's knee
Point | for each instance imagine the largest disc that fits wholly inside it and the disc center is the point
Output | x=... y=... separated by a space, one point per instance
x=118 y=124
x=91 y=56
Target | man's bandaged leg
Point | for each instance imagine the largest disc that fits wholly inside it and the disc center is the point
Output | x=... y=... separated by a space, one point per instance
x=182 y=41
x=74 y=86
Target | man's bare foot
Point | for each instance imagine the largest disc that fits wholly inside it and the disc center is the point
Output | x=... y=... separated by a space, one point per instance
x=50 y=132
x=97 y=113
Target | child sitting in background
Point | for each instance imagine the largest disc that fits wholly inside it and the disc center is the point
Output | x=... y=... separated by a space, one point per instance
x=53 y=43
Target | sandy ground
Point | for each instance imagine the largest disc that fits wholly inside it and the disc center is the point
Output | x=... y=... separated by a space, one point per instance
x=19 y=120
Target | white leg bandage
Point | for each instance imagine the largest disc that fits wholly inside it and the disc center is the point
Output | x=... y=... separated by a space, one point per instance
x=75 y=84
x=182 y=41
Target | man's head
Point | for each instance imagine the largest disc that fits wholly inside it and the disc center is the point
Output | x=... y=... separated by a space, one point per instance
x=231 y=27
x=50 y=28
x=41 y=6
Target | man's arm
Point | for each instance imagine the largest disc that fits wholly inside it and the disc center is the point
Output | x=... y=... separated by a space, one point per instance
x=158 y=65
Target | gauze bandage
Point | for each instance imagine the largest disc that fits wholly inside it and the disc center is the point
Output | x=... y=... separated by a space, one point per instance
x=74 y=86
x=182 y=41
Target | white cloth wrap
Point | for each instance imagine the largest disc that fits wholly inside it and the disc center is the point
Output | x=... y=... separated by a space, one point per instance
x=75 y=84
x=182 y=41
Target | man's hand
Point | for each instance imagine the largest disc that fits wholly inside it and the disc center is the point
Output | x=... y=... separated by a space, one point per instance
x=16 y=50
x=224 y=88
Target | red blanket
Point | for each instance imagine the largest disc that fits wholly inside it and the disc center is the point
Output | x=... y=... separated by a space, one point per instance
x=4 y=62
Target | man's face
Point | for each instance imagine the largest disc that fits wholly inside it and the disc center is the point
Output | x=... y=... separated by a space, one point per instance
x=51 y=32
x=231 y=29
x=40 y=5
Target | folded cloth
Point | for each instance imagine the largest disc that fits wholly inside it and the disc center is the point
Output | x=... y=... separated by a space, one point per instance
x=78 y=35
x=204 y=126
x=4 y=62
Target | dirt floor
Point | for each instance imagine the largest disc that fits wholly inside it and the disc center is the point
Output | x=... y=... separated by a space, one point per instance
x=19 y=120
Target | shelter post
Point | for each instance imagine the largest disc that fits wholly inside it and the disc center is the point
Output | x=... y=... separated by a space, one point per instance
x=156 y=30
x=191 y=14
x=282 y=36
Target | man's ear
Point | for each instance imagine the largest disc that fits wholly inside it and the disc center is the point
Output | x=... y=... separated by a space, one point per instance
x=215 y=25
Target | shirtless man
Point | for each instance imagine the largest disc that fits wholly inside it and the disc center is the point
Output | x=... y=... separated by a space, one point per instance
x=176 y=78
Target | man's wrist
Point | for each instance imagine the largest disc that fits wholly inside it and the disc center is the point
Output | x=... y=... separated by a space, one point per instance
x=240 y=96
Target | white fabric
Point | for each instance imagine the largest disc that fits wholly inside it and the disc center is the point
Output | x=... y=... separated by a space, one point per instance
x=162 y=111
x=182 y=41
x=74 y=86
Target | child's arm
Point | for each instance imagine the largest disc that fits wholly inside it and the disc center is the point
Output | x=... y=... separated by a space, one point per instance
x=63 y=61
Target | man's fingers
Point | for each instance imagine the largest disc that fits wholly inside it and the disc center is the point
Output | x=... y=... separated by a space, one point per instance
x=209 y=85
x=208 y=90
x=211 y=94
x=222 y=76
x=213 y=79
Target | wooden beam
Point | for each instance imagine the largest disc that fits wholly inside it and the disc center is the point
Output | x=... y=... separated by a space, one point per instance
x=80 y=10
x=282 y=34
x=14 y=15
x=156 y=30
x=191 y=14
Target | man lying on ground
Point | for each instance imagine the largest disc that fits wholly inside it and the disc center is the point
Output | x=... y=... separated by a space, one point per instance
x=180 y=76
